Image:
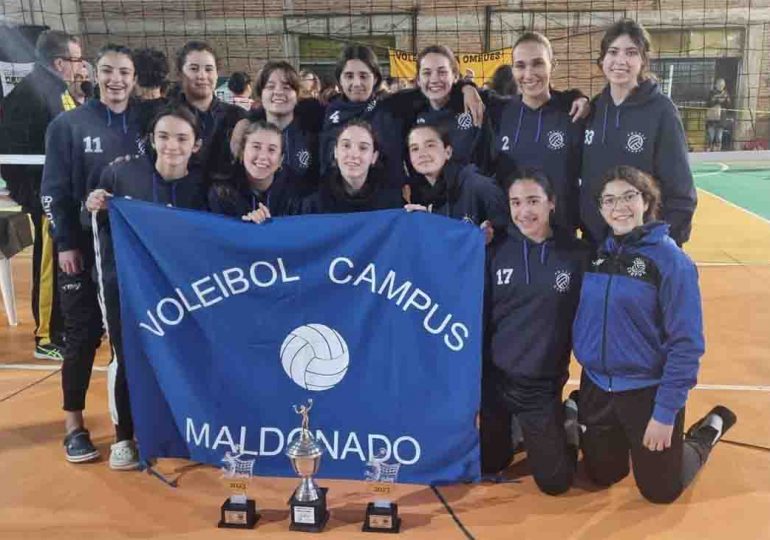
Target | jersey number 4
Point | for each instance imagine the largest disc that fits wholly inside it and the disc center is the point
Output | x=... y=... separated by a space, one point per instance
x=93 y=145
x=504 y=276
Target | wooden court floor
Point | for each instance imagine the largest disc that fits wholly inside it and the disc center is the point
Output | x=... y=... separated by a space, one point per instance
x=43 y=496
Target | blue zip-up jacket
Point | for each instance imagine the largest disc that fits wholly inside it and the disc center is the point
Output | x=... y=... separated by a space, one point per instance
x=300 y=151
x=532 y=294
x=462 y=192
x=545 y=139
x=639 y=322
x=388 y=116
x=645 y=132
x=237 y=198
x=79 y=144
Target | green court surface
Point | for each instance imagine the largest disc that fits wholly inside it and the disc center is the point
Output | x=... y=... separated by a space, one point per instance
x=746 y=184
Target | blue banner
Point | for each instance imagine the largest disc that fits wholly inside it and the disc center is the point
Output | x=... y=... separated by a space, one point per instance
x=376 y=316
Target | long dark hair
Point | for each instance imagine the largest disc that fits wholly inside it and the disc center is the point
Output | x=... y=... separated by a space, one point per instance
x=637 y=33
x=364 y=54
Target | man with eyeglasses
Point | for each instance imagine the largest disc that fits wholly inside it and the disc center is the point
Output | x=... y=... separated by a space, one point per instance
x=26 y=113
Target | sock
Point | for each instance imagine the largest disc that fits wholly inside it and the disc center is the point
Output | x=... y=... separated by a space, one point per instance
x=714 y=421
x=571 y=425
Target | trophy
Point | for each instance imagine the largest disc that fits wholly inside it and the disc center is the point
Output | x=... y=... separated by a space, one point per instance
x=382 y=514
x=308 y=503
x=238 y=512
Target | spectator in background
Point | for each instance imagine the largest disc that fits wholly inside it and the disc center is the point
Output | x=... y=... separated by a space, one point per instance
x=311 y=85
x=392 y=85
x=718 y=101
x=151 y=74
x=26 y=113
x=239 y=85
x=82 y=86
x=502 y=81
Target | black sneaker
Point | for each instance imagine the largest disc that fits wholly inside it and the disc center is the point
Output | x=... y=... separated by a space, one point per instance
x=571 y=426
x=50 y=351
x=703 y=431
x=78 y=447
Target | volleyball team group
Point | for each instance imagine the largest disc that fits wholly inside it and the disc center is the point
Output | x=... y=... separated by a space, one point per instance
x=530 y=170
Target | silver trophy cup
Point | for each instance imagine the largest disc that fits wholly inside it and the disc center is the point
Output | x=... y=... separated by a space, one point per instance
x=308 y=504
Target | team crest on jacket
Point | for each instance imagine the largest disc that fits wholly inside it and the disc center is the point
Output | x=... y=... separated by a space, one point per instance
x=598 y=262
x=303 y=158
x=464 y=121
x=562 y=280
x=638 y=268
x=555 y=140
x=635 y=142
x=371 y=106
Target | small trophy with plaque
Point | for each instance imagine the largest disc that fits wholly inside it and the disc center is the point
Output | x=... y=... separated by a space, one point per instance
x=382 y=513
x=308 y=503
x=238 y=511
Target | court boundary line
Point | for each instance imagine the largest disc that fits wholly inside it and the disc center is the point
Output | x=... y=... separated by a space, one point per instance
x=451 y=512
x=28 y=386
x=723 y=167
x=749 y=212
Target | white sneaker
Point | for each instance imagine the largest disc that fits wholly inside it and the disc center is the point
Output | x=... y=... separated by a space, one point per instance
x=124 y=456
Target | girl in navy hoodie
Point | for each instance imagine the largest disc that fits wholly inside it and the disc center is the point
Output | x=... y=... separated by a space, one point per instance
x=356 y=183
x=444 y=187
x=278 y=86
x=358 y=76
x=639 y=337
x=257 y=191
x=633 y=123
x=163 y=177
x=79 y=144
x=534 y=273
x=535 y=129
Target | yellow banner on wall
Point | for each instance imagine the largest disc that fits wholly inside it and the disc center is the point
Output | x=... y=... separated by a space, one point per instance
x=403 y=65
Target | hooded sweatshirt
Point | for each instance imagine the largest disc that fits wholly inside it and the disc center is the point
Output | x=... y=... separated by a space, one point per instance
x=545 y=139
x=217 y=123
x=79 y=144
x=388 y=117
x=532 y=293
x=645 y=132
x=300 y=151
x=462 y=192
x=639 y=322
x=237 y=197
x=136 y=177
x=332 y=197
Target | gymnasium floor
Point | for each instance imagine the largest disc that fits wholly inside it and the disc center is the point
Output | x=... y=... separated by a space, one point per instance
x=42 y=496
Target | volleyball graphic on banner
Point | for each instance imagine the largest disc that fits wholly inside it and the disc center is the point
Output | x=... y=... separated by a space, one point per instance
x=315 y=357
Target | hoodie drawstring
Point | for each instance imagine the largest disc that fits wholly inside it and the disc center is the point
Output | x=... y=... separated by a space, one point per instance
x=123 y=117
x=543 y=250
x=518 y=127
x=539 y=125
x=604 y=126
x=617 y=118
x=525 y=246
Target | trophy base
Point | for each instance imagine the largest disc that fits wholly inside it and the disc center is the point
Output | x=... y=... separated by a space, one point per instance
x=382 y=518
x=238 y=516
x=309 y=516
